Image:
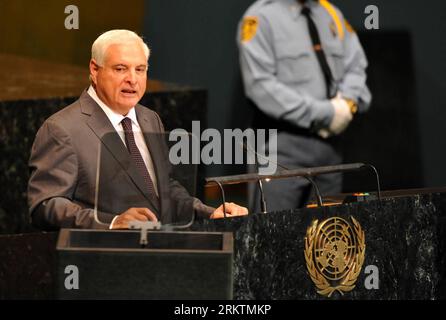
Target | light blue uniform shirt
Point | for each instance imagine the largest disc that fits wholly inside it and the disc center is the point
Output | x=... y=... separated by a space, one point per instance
x=280 y=70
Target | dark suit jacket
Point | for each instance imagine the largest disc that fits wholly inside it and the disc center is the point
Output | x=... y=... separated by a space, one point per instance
x=64 y=176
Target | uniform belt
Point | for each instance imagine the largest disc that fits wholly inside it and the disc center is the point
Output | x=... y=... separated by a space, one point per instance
x=263 y=121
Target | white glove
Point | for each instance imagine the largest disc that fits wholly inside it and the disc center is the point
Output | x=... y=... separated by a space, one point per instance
x=341 y=119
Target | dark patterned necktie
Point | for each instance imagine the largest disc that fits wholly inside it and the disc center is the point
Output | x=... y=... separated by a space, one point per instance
x=137 y=158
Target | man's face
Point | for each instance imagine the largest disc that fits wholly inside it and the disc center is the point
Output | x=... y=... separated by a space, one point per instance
x=121 y=82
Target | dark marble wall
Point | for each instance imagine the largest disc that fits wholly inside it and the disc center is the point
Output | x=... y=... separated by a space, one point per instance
x=405 y=238
x=19 y=122
x=28 y=266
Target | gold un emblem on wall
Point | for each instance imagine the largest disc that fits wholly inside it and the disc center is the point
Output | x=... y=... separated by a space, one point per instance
x=334 y=253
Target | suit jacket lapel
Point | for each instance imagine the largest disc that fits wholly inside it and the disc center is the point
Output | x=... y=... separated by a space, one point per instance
x=153 y=139
x=104 y=130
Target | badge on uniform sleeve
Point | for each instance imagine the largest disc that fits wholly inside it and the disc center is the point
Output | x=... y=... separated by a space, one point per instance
x=333 y=29
x=249 y=28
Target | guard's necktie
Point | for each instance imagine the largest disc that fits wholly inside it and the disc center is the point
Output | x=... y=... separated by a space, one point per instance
x=137 y=158
x=320 y=54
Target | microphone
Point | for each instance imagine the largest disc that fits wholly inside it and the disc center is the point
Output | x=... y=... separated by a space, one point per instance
x=262 y=196
x=307 y=173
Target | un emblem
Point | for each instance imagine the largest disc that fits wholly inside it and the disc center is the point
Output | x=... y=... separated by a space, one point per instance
x=334 y=253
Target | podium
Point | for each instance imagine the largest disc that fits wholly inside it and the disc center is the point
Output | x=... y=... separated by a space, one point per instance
x=405 y=238
x=405 y=246
x=104 y=264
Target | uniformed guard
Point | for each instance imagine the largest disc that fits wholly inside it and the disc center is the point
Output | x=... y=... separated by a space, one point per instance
x=305 y=70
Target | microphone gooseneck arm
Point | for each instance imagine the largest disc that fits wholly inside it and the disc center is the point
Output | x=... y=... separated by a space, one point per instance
x=378 y=185
x=262 y=197
x=309 y=179
x=223 y=198
x=316 y=190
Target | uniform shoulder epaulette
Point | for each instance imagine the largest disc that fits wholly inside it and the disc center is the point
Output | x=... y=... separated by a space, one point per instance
x=258 y=5
x=333 y=12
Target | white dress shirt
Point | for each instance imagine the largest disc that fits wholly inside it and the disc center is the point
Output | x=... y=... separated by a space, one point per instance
x=115 y=119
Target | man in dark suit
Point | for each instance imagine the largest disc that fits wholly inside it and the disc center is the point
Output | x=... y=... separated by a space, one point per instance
x=109 y=125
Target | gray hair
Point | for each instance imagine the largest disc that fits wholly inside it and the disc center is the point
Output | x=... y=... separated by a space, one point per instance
x=101 y=44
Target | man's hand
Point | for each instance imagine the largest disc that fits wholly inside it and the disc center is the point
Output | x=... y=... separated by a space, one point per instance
x=341 y=119
x=141 y=214
x=232 y=210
